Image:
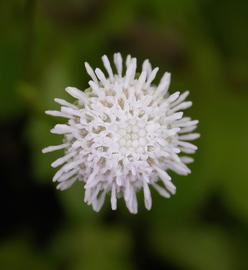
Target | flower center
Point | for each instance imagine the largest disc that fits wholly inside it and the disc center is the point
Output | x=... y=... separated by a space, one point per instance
x=132 y=136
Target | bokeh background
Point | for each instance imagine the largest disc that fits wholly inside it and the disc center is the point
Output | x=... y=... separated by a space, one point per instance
x=43 y=45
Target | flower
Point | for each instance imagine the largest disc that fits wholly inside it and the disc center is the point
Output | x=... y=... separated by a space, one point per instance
x=123 y=134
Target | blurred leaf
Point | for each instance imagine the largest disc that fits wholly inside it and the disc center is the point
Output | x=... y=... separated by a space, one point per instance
x=93 y=247
x=19 y=255
x=40 y=137
x=198 y=247
x=10 y=55
x=76 y=210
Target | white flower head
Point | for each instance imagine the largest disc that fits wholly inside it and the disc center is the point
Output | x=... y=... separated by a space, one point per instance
x=123 y=134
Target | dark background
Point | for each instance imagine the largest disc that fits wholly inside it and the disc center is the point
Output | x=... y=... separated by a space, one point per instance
x=43 y=45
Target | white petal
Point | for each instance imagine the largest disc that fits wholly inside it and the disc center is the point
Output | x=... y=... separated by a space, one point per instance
x=78 y=94
x=65 y=185
x=54 y=148
x=147 y=196
x=134 y=60
x=58 y=114
x=174 y=117
x=128 y=60
x=129 y=73
x=179 y=168
x=182 y=97
x=70 y=111
x=152 y=76
x=61 y=129
x=173 y=97
x=181 y=106
x=189 y=137
x=187 y=160
x=141 y=81
x=67 y=175
x=71 y=165
x=166 y=180
x=107 y=65
x=187 y=145
x=113 y=198
x=147 y=67
x=98 y=203
x=187 y=123
x=64 y=103
x=101 y=77
x=62 y=160
x=90 y=71
x=96 y=89
x=161 y=190
x=118 y=63
x=187 y=129
x=164 y=84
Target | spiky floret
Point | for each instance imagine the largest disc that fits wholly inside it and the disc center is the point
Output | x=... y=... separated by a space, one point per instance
x=123 y=134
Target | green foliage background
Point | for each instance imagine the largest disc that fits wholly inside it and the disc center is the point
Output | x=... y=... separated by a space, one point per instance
x=42 y=50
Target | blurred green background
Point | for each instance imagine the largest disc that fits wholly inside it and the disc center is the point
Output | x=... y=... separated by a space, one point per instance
x=43 y=47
